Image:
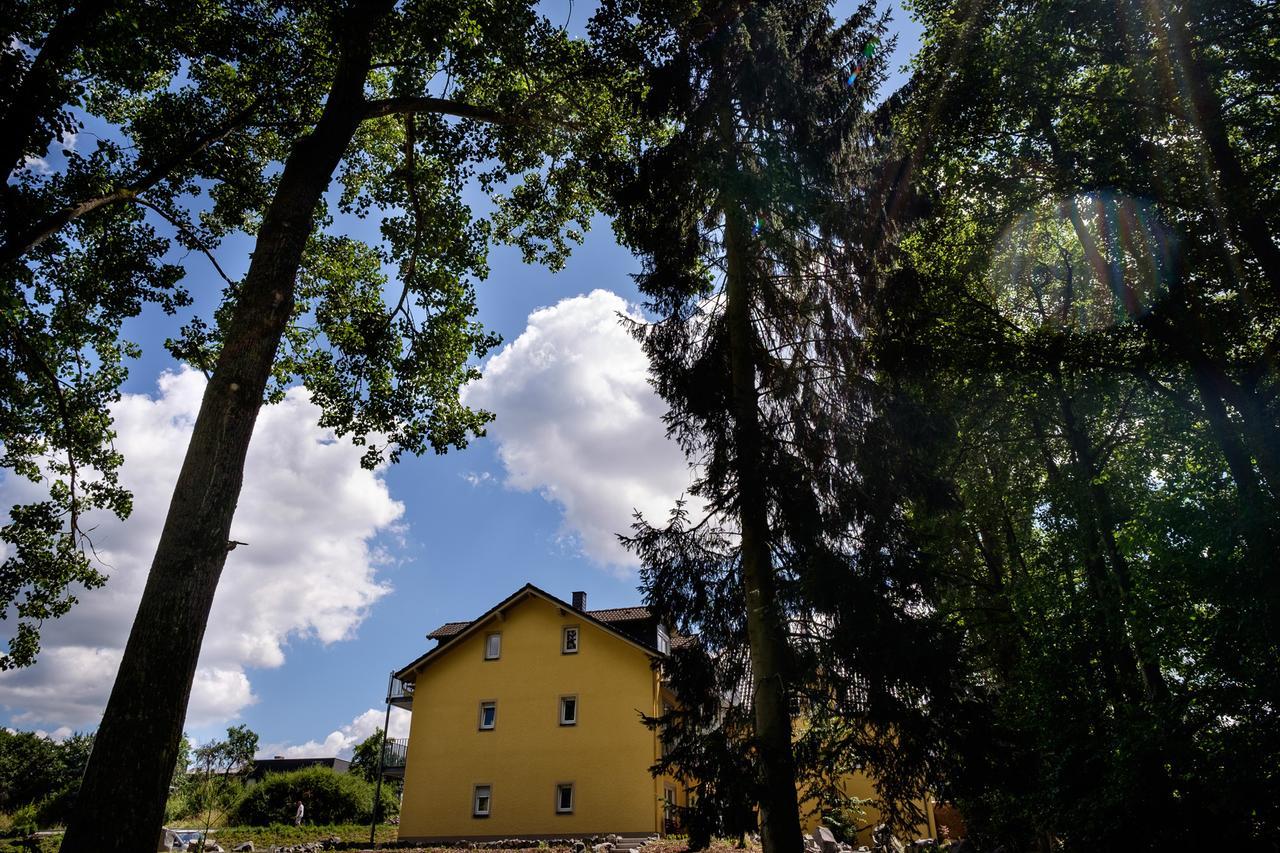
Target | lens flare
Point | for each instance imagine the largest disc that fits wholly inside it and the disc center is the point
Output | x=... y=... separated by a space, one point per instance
x=867 y=52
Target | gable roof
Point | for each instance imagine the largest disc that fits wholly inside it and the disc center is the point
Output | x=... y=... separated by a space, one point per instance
x=610 y=621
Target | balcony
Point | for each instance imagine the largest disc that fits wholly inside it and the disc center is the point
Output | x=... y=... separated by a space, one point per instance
x=395 y=751
x=400 y=693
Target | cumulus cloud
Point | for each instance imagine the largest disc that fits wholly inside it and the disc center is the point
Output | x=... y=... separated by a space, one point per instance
x=309 y=512
x=578 y=422
x=341 y=742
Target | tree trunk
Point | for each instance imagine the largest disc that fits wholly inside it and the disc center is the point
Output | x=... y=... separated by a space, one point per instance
x=120 y=808
x=1099 y=514
x=1235 y=191
x=779 y=809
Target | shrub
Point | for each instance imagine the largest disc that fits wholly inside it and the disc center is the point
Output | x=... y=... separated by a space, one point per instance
x=328 y=797
x=54 y=809
x=23 y=821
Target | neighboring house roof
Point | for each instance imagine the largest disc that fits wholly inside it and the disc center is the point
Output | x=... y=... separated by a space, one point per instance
x=262 y=766
x=621 y=614
x=616 y=621
x=447 y=630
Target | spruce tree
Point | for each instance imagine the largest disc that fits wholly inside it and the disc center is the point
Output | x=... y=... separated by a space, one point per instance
x=752 y=206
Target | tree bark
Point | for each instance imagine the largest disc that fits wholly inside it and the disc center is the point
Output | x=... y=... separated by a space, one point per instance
x=120 y=808
x=779 y=810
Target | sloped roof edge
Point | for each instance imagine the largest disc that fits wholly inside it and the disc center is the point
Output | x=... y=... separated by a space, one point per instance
x=527 y=589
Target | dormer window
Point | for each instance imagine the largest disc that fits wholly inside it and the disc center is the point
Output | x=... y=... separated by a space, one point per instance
x=569 y=640
x=492 y=646
x=664 y=642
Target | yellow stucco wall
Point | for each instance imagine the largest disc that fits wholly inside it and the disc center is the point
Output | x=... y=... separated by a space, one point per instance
x=606 y=755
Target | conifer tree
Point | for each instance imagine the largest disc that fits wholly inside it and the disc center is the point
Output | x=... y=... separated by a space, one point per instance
x=751 y=208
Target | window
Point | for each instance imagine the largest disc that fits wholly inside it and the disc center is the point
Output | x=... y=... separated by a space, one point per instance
x=492 y=646
x=569 y=640
x=664 y=642
x=488 y=715
x=480 y=802
x=564 y=798
x=663 y=735
x=568 y=710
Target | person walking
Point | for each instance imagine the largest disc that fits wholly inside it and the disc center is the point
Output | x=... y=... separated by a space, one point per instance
x=297 y=816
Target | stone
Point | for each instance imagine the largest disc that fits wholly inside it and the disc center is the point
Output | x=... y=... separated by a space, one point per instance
x=825 y=839
x=245 y=847
x=579 y=847
x=606 y=847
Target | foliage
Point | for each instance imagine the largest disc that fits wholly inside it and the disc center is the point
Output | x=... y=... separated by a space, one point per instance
x=1080 y=415
x=201 y=112
x=327 y=797
x=23 y=821
x=754 y=209
x=41 y=773
x=367 y=758
x=217 y=785
x=69 y=286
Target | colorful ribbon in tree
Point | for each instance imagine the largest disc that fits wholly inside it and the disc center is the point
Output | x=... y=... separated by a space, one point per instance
x=867 y=52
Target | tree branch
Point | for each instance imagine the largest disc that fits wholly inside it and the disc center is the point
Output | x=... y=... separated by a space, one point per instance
x=41 y=231
x=445 y=106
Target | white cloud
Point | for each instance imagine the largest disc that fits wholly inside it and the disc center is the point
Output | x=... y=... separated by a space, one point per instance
x=578 y=422
x=475 y=479
x=342 y=741
x=309 y=513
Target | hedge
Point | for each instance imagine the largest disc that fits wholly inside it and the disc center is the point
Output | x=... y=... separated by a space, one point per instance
x=327 y=797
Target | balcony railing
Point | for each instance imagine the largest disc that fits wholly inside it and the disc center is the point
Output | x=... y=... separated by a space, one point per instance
x=395 y=751
x=400 y=693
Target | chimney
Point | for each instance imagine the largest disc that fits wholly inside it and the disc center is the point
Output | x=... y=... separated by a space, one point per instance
x=579 y=600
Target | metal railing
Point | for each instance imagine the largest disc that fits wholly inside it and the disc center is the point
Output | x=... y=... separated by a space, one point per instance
x=399 y=693
x=394 y=752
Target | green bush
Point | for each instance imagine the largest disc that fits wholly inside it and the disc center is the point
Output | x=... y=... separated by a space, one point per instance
x=22 y=821
x=328 y=797
x=54 y=809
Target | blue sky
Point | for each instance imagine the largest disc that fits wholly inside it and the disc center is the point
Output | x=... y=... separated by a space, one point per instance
x=525 y=505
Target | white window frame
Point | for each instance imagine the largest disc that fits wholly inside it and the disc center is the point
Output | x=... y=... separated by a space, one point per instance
x=573 y=797
x=475 y=800
x=488 y=641
x=488 y=703
x=567 y=722
x=564 y=639
x=664 y=640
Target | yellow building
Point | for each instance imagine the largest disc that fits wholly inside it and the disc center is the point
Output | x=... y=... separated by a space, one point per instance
x=526 y=723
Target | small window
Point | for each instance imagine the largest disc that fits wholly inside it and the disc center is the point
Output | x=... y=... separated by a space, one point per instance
x=664 y=642
x=569 y=640
x=492 y=646
x=568 y=710
x=488 y=715
x=564 y=798
x=480 y=802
